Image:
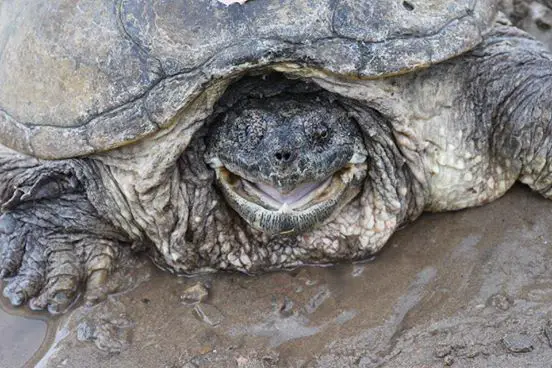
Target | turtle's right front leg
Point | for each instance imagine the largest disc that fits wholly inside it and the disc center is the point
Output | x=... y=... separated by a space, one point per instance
x=53 y=242
x=513 y=82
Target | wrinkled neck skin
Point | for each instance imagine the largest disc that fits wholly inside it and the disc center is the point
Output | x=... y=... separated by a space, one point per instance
x=161 y=191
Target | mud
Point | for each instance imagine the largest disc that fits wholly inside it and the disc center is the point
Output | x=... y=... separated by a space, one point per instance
x=465 y=289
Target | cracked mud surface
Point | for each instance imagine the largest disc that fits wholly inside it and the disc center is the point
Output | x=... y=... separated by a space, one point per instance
x=466 y=289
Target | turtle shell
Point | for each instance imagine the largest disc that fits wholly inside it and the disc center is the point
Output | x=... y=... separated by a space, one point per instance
x=79 y=77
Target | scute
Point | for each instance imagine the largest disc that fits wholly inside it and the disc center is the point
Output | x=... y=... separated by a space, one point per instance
x=101 y=74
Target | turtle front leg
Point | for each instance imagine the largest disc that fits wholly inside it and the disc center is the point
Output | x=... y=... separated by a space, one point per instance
x=53 y=242
x=511 y=79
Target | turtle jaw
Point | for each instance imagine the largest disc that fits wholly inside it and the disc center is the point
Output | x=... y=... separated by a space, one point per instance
x=269 y=210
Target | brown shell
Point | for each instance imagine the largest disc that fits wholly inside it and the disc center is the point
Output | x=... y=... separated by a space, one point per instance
x=78 y=77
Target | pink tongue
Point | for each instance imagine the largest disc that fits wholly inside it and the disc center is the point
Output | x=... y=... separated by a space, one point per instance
x=291 y=197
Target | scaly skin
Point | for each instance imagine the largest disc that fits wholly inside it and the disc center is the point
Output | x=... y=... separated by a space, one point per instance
x=51 y=238
x=282 y=162
x=455 y=135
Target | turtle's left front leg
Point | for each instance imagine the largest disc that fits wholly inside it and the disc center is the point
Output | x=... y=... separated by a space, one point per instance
x=53 y=242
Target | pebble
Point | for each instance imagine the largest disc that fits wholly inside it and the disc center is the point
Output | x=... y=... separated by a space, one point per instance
x=357 y=270
x=209 y=314
x=194 y=294
x=317 y=300
x=518 y=343
x=286 y=308
x=500 y=301
x=85 y=331
x=448 y=360
x=442 y=351
x=110 y=336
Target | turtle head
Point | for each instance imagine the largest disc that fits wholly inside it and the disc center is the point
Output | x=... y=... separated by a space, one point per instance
x=286 y=164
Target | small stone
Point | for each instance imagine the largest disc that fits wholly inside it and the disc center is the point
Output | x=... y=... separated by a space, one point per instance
x=500 y=301
x=242 y=361
x=442 y=351
x=448 y=360
x=518 y=343
x=209 y=314
x=206 y=349
x=109 y=336
x=472 y=353
x=317 y=300
x=85 y=331
x=548 y=332
x=194 y=294
x=271 y=359
x=286 y=308
x=357 y=270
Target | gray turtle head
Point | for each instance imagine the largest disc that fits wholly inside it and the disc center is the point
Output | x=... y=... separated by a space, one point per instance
x=286 y=164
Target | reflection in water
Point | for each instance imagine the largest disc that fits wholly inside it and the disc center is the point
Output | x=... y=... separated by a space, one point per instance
x=20 y=338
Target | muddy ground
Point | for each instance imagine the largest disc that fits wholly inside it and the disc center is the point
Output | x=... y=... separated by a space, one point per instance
x=468 y=289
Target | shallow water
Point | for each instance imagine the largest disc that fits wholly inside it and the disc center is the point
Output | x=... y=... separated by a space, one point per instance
x=20 y=337
x=465 y=288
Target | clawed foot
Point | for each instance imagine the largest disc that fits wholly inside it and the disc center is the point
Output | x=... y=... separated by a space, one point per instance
x=49 y=255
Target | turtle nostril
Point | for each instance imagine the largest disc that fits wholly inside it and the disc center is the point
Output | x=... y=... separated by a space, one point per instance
x=283 y=156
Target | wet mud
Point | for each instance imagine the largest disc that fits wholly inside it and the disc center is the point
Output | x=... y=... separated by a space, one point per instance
x=466 y=289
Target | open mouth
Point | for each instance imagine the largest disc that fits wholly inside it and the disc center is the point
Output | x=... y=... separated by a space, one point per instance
x=273 y=210
x=295 y=199
x=300 y=198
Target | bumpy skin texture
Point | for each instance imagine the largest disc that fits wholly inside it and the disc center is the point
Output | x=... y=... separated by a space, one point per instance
x=283 y=162
x=52 y=239
x=454 y=135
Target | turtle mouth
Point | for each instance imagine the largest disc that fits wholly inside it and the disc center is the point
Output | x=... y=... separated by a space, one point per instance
x=272 y=198
x=296 y=199
x=271 y=209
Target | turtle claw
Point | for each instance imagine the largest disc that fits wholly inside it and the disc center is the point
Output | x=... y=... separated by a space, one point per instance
x=12 y=250
x=29 y=278
x=56 y=298
x=46 y=267
x=16 y=298
x=96 y=290
x=20 y=289
x=55 y=303
x=66 y=270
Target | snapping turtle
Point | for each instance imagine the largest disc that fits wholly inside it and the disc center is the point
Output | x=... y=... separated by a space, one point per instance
x=251 y=137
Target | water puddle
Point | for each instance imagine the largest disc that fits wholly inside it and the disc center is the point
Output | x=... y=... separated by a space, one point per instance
x=23 y=337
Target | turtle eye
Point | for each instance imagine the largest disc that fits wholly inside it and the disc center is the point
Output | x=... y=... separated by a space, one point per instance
x=320 y=133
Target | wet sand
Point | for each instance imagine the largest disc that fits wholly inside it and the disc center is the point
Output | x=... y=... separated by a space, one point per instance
x=468 y=289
